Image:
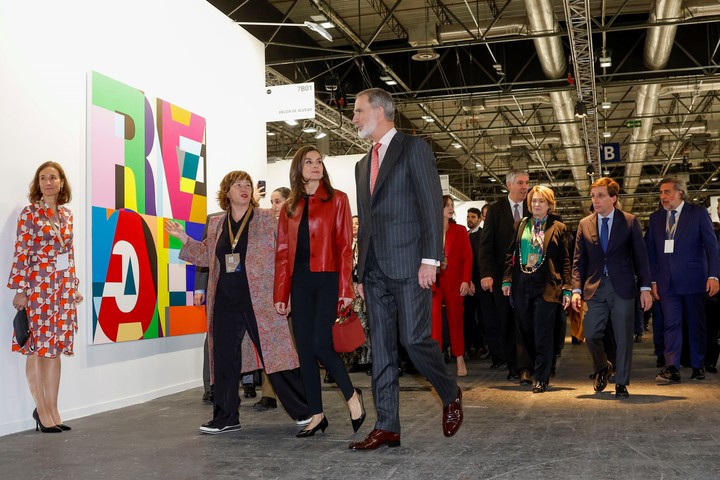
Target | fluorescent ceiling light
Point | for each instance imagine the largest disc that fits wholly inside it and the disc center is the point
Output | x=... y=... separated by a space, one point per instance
x=327 y=25
x=292 y=123
x=607 y=134
x=270 y=134
x=456 y=144
x=320 y=135
x=605 y=62
x=492 y=179
x=428 y=118
x=388 y=80
x=309 y=129
x=606 y=105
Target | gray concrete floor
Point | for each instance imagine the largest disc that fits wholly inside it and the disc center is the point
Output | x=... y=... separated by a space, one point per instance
x=663 y=432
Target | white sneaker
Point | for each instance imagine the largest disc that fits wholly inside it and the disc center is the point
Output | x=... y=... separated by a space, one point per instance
x=304 y=421
x=213 y=430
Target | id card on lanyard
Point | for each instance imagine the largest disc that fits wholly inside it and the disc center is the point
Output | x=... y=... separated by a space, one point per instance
x=232 y=259
x=62 y=260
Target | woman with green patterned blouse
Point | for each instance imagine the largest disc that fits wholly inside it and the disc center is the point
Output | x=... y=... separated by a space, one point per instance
x=537 y=278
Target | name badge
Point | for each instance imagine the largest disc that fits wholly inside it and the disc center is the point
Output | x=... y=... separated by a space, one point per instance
x=532 y=259
x=232 y=262
x=62 y=261
x=669 y=246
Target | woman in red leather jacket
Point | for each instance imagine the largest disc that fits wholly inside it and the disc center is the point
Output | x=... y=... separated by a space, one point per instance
x=313 y=268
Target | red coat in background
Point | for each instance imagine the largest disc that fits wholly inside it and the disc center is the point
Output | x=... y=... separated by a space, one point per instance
x=459 y=258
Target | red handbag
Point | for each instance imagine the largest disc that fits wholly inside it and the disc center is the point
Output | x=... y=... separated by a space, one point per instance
x=348 y=334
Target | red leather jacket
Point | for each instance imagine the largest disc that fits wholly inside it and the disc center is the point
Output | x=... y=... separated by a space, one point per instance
x=330 y=226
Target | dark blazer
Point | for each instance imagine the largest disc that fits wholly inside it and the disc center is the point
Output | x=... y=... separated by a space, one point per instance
x=475 y=246
x=403 y=218
x=695 y=256
x=626 y=257
x=555 y=270
x=497 y=235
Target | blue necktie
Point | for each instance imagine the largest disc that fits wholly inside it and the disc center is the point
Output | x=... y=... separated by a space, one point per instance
x=672 y=220
x=604 y=234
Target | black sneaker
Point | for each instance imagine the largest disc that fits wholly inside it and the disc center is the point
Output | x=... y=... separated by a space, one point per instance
x=211 y=428
x=668 y=376
x=697 y=374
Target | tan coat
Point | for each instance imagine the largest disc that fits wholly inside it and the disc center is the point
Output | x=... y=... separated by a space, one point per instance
x=275 y=339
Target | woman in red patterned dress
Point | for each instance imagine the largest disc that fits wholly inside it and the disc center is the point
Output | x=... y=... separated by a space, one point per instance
x=43 y=276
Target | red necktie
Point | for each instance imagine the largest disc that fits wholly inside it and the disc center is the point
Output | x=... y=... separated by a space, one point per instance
x=374 y=166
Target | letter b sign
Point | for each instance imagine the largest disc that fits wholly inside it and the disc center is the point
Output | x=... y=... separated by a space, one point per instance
x=610 y=152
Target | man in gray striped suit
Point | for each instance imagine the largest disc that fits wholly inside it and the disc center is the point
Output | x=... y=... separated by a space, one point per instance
x=399 y=202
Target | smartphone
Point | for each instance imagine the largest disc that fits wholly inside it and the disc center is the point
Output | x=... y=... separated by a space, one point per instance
x=261 y=184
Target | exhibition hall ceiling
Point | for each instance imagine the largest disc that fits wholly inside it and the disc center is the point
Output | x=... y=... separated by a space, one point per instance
x=495 y=85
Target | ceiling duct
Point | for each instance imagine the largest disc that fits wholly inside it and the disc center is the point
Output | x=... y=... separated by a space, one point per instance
x=658 y=45
x=425 y=36
x=679 y=130
x=541 y=19
x=503 y=27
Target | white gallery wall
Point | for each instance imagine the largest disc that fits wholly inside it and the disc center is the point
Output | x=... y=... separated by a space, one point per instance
x=183 y=51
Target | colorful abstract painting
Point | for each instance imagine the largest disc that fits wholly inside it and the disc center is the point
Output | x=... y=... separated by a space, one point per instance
x=147 y=162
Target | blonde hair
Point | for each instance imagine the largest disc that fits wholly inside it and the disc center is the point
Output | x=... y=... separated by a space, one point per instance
x=546 y=193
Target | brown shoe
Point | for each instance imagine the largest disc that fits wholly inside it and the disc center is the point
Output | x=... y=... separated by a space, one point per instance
x=377 y=438
x=453 y=415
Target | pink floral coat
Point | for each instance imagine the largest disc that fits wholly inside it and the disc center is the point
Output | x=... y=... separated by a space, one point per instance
x=275 y=339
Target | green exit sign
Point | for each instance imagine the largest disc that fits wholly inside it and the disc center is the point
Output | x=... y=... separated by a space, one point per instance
x=633 y=123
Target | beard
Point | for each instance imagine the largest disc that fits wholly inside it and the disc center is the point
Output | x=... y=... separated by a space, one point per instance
x=367 y=129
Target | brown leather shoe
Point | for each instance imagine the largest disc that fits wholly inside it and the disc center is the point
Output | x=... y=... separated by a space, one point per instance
x=453 y=416
x=377 y=438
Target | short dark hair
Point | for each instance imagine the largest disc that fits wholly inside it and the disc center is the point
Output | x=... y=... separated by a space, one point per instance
x=474 y=210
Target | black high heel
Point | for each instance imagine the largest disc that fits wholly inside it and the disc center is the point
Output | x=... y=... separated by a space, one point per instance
x=64 y=427
x=42 y=428
x=309 y=433
x=357 y=422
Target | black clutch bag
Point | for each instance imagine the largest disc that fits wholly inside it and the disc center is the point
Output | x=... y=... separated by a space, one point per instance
x=22 y=329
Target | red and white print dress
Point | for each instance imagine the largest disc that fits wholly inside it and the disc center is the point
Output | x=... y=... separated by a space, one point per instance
x=51 y=310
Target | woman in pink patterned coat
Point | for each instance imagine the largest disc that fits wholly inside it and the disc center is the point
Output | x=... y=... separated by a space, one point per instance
x=43 y=276
x=240 y=252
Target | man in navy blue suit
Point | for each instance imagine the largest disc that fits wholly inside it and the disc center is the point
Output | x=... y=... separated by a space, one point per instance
x=683 y=254
x=610 y=263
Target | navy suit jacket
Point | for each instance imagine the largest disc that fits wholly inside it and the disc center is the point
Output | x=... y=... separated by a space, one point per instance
x=695 y=255
x=626 y=257
x=403 y=217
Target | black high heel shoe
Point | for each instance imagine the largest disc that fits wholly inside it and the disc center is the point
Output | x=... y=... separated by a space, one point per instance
x=357 y=422
x=64 y=427
x=42 y=428
x=309 y=433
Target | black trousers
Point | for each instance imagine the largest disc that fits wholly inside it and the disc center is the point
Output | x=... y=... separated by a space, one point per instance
x=501 y=323
x=229 y=328
x=536 y=319
x=314 y=297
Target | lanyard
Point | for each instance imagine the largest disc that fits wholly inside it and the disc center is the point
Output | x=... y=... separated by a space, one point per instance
x=53 y=225
x=235 y=238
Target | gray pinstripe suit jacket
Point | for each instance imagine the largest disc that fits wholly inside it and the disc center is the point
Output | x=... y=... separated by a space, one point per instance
x=403 y=218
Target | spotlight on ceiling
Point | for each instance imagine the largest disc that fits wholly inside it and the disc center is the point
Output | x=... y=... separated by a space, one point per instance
x=292 y=123
x=320 y=134
x=606 y=134
x=580 y=109
x=605 y=62
x=388 y=80
x=309 y=129
x=428 y=118
x=456 y=144
x=606 y=105
x=590 y=169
